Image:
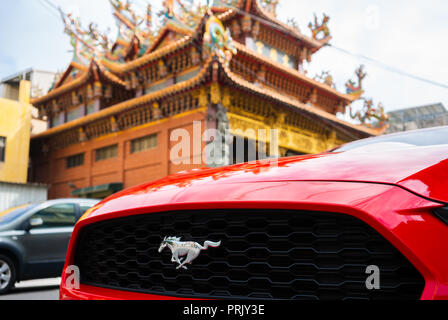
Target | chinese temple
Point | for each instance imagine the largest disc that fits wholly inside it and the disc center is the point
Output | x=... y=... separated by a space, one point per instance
x=227 y=64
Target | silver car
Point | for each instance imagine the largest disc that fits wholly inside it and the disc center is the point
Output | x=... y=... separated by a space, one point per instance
x=34 y=239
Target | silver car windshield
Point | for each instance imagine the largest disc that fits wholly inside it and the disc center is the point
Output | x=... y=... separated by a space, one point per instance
x=427 y=137
x=12 y=214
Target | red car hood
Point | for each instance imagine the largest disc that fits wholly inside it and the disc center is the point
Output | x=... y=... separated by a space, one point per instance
x=422 y=170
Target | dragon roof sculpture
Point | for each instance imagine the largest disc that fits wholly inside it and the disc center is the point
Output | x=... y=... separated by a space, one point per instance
x=217 y=40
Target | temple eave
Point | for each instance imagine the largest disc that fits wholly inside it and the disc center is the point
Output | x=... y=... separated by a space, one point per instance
x=314 y=43
x=287 y=100
x=293 y=73
x=121 y=68
x=236 y=81
x=121 y=107
x=84 y=78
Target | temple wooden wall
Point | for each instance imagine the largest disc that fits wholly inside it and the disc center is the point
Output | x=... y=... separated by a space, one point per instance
x=131 y=169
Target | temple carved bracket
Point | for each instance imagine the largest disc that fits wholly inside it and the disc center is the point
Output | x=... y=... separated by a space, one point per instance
x=114 y=127
x=75 y=98
x=215 y=93
x=97 y=89
x=162 y=69
x=157 y=112
x=246 y=24
x=202 y=96
x=236 y=29
x=195 y=56
x=82 y=136
x=227 y=98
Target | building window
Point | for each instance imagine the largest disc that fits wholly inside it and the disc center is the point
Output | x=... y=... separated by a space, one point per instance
x=187 y=75
x=57 y=120
x=2 y=149
x=145 y=143
x=90 y=108
x=75 y=113
x=270 y=52
x=75 y=161
x=107 y=153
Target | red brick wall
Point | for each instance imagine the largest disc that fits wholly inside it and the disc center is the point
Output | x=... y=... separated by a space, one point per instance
x=130 y=169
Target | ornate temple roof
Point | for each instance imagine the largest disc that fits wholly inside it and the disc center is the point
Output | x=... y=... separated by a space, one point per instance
x=163 y=33
x=121 y=68
x=72 y=67
x=255 y=10
x=103 y=68
x=201 y=79
x=95 y=71
x=113 y=70
x=297 y=105
x=316 y=44
x=132 y=103
x=293 y=73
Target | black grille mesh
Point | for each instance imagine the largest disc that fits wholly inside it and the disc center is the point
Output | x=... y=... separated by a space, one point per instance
x=267 y=254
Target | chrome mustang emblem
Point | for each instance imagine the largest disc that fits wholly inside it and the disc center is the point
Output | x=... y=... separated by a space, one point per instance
x=191 y=250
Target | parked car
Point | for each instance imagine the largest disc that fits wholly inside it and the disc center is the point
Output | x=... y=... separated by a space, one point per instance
x=34 y=239
x=366 y=221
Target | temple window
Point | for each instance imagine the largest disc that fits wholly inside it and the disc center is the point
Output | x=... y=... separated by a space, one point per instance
x=106 y=153
x=250 y=43
x=262 y=49
x=156 y=87
x=187 y=75
x=57 y=120
x=2 y=149
x=270 y=52
x=90 y=108
x=75 y=113
x=274 y=54
x=75 y=161
x=143 y=144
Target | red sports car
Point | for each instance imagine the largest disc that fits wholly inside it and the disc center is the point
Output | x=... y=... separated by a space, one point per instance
x=366 y=221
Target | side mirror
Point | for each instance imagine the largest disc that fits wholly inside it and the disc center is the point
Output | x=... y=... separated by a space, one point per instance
x=35 y=223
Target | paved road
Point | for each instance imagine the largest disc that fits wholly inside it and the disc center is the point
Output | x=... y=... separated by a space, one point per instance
x=47 y=289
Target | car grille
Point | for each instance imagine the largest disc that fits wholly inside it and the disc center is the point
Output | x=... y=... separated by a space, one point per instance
x=268 y=254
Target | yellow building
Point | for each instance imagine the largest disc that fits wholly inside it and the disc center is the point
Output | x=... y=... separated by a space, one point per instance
x=15 y=130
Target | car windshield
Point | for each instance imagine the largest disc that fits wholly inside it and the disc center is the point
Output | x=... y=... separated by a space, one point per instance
x=14 y=213
x=427 y=137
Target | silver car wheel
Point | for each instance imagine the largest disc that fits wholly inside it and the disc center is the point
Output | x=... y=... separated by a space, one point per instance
x=5 y=274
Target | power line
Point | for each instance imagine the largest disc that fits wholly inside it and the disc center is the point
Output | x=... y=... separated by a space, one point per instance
x=51 y=4
x=389 y=68
x=47 y=7
x=377 y=63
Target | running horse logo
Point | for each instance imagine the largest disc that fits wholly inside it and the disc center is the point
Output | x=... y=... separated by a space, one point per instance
x=190 y=250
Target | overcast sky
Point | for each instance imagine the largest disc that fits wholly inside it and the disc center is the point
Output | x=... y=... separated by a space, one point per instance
x=410 y=35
